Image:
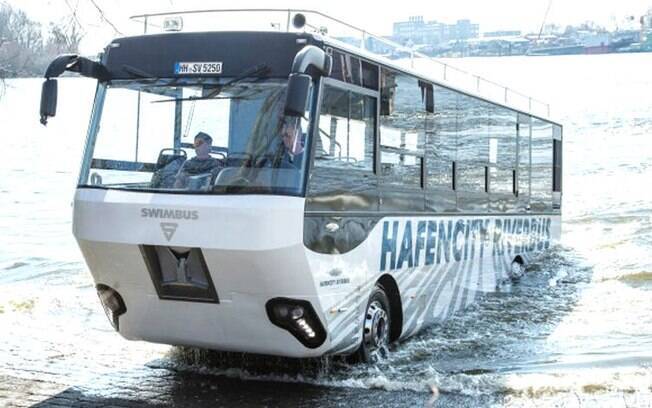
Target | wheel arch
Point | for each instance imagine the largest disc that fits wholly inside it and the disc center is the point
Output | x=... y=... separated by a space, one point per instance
x=396 y=306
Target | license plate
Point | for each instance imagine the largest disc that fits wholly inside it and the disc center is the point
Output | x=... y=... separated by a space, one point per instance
x=198 y=68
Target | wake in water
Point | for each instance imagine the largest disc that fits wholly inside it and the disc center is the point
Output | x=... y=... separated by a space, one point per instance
x=480 y=351
x=503 y=348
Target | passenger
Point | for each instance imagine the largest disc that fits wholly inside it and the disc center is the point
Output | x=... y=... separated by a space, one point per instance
x=200 y=165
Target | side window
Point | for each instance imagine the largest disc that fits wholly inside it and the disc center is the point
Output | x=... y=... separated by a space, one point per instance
x=472 y=145
x=350 y=69
x=402 y=130
x=346 y=130
x=342 y=174
x=502 y=150
x=523 y=182
x=542 y=165
x=557 y=163
x=346 y=68
x=441 y=150
x=400 y=169
x=442 y=139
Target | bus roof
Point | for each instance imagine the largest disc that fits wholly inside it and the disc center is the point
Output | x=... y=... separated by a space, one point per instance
x=141 y=57
x=342 y=34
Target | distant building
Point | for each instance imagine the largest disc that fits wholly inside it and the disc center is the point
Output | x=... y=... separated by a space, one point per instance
x=463 y=30
x=504 y=33
x=371 y=44
x=418 y=31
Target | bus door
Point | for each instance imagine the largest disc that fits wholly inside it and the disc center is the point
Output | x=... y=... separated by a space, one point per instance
x=342 y=192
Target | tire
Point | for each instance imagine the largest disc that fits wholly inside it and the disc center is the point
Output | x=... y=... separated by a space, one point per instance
x=375 y=328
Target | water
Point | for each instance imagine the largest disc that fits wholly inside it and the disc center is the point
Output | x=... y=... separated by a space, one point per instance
x=577 y=331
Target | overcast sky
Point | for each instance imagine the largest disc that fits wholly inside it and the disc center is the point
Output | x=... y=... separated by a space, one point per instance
x=524 y=15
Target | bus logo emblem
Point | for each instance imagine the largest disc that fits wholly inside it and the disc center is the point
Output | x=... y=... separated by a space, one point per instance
x=169 y=228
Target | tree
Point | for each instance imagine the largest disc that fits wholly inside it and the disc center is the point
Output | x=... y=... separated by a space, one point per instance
x=21 y=40
x=24 y=51
x=63 y=39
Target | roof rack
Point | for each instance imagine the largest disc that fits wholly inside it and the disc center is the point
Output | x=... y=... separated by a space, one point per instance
x=358 y=38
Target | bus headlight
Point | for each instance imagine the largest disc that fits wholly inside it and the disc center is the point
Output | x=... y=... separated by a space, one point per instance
x=112 y=303
x=299 y=318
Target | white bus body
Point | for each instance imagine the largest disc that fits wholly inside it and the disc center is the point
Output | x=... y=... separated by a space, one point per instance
x=336 y=202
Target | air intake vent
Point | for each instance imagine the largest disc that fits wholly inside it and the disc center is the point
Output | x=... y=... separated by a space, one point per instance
x=179 y=273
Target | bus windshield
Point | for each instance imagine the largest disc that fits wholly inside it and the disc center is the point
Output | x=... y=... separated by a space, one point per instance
x=195 y=136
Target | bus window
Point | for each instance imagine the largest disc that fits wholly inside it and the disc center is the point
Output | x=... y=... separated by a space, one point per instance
x=542 y=136
x=441 y=135
x=138 y=129
x=472 y=144
x=144 y=140
x=347 y=68
x=502 y=158
x=400 y=169
x=557 y=162
x=523 y=175
x=346 y=130
x=402 y=131
x=198 y=116
x=402 y=142
x=343 y=164
x=472 y=154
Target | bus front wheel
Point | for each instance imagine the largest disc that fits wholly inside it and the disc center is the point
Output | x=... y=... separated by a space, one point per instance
x=375 y=328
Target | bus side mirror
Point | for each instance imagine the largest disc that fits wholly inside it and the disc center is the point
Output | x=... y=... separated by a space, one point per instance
x=297 y=94
x=48 y=100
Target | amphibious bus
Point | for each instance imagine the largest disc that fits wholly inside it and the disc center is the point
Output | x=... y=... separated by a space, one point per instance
x=400 y=199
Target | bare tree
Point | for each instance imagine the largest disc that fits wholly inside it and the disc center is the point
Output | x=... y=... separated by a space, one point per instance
x=24 y=51
x=22 y=40
x=62 y=39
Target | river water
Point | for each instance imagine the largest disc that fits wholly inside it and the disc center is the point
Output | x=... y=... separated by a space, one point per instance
x=576 y=331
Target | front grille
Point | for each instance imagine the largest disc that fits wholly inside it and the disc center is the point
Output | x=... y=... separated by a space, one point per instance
x=179 y=273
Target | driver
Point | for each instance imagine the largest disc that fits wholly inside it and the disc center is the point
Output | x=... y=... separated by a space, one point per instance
x=292 y=138
x=201 y=164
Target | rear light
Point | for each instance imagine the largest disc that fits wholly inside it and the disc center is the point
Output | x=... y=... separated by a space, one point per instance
x=112 y=303
x=299 y=318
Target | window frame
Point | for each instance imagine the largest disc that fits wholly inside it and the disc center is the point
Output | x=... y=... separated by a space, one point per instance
x=94 y=128
x=519 y=191
x=557 y=165
x=343 y=86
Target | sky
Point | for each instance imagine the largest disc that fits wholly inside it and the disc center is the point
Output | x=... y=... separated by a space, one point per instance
x=524 y=15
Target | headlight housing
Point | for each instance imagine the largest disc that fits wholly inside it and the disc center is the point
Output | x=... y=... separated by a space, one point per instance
x=113 y=304
x=299 y=318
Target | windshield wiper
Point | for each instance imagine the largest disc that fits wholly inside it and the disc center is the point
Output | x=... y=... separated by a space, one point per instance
x=146 y=76
x=257 y=70
x=195 y=98
x=253 y=71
